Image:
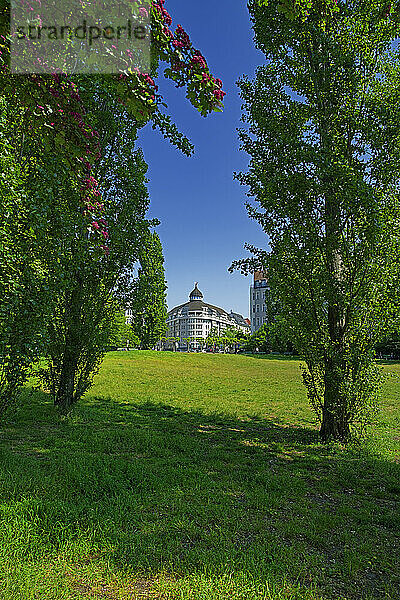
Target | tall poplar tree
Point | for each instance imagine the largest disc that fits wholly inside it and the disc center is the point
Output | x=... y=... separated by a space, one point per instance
x=322 y=133
x=35 y=192
x=83 y=321
x=51 y=209
x=149 y=309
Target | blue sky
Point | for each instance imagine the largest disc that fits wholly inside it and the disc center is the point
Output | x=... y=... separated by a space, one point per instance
x=204 y=223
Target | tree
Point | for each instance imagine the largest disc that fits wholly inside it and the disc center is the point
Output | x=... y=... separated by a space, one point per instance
x=148 y=304
x=241 y=339
x=389 y=346
x=212 y=338
x=34 y=184
x=175 y=342
x=170 y=343
x=323 y=139
x=57 y=144
x=124 y=335
x=24 y=295
x=83 y=320
x=278 y=337
x=189 y=341
x=231 y=338
x=259 y=341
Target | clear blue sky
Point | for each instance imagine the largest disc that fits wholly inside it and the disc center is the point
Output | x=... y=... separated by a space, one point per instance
x=204 y=223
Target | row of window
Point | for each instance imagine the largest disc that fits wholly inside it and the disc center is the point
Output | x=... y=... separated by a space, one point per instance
x=258 y=295
x=259 y=308
x=203 y=318
x=203 y=321
x=199 y=330
x=257 y=321
x=184 y=313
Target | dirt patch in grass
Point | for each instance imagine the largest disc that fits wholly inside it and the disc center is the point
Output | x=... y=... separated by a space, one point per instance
x=139 y=589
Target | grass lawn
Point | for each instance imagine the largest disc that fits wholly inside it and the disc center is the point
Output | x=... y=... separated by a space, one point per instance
x=194 y=476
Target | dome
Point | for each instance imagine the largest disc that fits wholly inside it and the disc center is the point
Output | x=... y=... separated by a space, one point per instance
x=195 y=294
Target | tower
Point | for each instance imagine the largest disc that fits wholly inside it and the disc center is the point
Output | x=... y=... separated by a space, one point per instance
x=195 y=294
x=258 y=308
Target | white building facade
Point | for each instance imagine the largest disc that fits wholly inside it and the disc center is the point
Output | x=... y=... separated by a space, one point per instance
x=258 y=307
x=128 y=316
x=196 y=319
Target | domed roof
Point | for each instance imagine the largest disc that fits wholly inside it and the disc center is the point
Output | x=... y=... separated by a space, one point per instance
x=195 y=294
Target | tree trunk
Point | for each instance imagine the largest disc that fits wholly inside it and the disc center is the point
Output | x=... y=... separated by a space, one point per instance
x=66 y=388
x=335 y=422
x=64 y=398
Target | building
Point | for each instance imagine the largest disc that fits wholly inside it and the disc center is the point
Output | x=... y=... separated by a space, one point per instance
x=258 y=307
x=128 y=316
x=196 y=319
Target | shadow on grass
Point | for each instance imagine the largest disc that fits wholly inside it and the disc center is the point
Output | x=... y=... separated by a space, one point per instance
x=387 y=361
x=153 y=488
x=271 y=356
x=289 y=357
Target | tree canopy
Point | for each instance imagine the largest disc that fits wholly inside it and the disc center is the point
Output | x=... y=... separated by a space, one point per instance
x=324 y=144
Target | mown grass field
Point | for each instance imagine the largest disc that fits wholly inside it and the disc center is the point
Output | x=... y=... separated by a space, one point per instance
x=197 y=477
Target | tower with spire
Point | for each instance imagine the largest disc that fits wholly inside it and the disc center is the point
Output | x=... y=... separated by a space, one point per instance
x=195 y=294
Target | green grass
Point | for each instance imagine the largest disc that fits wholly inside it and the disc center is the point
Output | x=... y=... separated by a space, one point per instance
x=197 y=477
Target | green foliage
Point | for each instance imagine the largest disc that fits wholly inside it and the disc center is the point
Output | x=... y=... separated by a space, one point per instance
x=302 y=9
x=94 y=286
x=124 y=336
x=52 y=259
x=79 y=333
x=389 y=346
x=233 y=338
x=170 y=343
x=22 y=272
x=33 y=219
x=148 y=302
x=259 y=341
x=230 y=337
x=52 y=102
x=212 y=338
x=323 y=140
